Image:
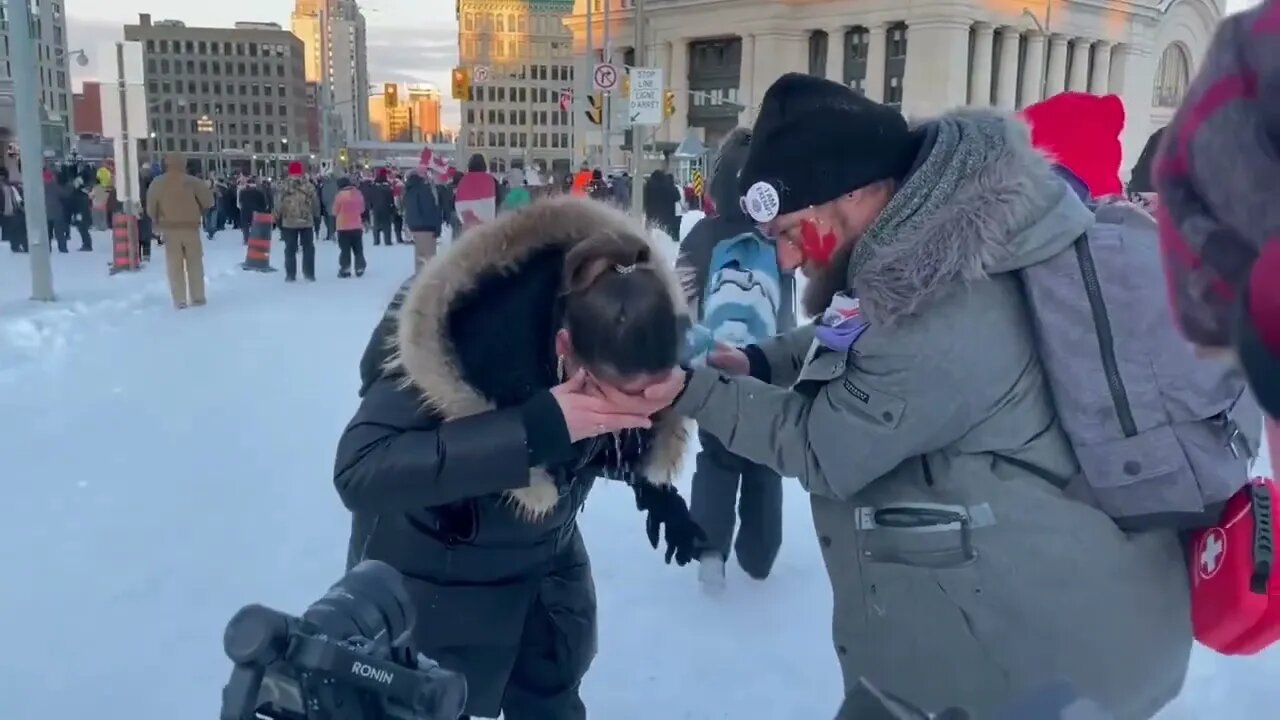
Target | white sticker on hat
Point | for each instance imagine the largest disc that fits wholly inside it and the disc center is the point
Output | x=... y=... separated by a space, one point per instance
x=762 y=202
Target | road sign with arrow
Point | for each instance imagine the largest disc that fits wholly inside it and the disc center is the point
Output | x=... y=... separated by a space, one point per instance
x=646 y=96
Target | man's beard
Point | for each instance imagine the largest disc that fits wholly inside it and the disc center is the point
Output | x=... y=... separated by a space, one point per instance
x=824 y=281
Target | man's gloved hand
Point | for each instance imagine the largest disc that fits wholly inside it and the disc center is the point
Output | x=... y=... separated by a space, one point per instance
x=665 y=507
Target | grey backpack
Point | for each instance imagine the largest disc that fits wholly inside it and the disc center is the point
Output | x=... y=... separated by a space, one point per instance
x=1163 y=436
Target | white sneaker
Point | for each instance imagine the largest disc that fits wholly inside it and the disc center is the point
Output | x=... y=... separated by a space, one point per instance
x=711 y=573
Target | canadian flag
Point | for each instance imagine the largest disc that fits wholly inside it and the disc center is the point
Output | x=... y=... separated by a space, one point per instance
x=437 y=164
x=566 y=100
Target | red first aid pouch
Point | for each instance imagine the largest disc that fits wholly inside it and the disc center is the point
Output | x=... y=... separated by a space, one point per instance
x=1235 y=585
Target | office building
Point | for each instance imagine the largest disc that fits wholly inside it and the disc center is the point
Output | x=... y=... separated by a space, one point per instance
x=333 y=33
x=238 y=93
x=924 y=57
x=86 y=109
x=399 y=116
x=518 y=55
x=55 y=81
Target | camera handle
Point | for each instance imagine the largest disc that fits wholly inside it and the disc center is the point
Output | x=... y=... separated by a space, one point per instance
x=256 y=637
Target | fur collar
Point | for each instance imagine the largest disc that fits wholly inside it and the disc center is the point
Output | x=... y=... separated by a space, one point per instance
x=949 y=223
x=424 y=352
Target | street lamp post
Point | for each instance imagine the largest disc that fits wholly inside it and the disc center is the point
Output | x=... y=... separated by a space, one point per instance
x=1044 y=30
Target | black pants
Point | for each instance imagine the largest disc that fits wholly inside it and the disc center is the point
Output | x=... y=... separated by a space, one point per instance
x=144 y=237
x=60 y=232
x=382 y=231
x=86 y=240
x=315 y=226
x=293 y=237
x=716 y=482
x=397 y=223
x=350 y=243
x=328 y=226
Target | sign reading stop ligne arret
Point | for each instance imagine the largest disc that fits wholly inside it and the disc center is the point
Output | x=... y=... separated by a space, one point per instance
x=646 y=96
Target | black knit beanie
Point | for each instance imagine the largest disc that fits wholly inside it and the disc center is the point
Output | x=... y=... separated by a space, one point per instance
x=815 y=140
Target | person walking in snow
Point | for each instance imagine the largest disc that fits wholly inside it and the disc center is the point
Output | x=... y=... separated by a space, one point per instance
x=476 y=197
x=297 y=206
x=472 y=453
x=252 y=200
x=348 y=218
x=422 y=215
x=739 y=294
x=381 y=205
x=176 y=203
x=329 y=191
x=917 y=414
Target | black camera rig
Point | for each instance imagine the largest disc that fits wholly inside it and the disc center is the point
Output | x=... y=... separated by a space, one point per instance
x=349 y=657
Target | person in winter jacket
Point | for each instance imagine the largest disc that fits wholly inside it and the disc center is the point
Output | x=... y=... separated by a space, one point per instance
x=348 y=211
x=397 y=205
x=445 y=200
x=728 y=490
x=252 y=200
x=476 y=444
x=176 y=203
x=918 y=416
x=297 y=205
x=422 y=215
x=381 y=207
x=476 y=198
x=13 y=216
x=659 y=200
x=1216 y=175
x=55 y=209
x=328 y=191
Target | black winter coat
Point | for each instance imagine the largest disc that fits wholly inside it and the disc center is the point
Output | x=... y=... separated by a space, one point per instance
x=437 y=472
x=421 y=211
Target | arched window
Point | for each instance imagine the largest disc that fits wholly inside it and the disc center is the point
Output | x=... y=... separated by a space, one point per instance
x=1173 y=74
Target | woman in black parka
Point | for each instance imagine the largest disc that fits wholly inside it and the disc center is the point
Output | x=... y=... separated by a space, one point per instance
x=480 y=434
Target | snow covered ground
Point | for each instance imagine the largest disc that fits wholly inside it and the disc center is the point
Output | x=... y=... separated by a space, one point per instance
x=162 y=469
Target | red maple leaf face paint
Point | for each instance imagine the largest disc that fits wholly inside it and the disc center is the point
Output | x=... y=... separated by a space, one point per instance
x=818 y=243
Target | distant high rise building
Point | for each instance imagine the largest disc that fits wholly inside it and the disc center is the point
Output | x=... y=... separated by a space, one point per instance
x=519 y=56
x=87 y=109
x=233 y=94
x=55 y=83
x=395 y=116
x=334 y=34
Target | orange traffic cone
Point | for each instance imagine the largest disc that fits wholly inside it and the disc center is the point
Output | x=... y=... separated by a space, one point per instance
x=257 y=256
x=124 y=243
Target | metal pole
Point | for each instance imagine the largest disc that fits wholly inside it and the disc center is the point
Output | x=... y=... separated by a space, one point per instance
x=30 y=146
x=586 y=76
x=1048 y=44
x=607 y=105
x=323 y=99
x=638 y=131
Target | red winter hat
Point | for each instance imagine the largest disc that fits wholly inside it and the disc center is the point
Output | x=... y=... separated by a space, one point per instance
x=1081 y=132
x=295 y=168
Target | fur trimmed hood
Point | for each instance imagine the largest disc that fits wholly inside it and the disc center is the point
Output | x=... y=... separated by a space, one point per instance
x=424 y=350
x=980 y=201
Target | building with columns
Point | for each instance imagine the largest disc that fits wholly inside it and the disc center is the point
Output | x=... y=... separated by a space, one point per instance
x=924 y=56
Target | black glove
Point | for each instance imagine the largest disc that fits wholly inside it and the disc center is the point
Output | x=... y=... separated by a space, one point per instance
x=665 y=507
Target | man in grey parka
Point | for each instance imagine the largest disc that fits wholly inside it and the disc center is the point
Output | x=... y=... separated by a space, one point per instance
x=920 y=421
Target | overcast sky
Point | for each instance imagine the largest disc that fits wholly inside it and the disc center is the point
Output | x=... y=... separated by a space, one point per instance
x=409 y=40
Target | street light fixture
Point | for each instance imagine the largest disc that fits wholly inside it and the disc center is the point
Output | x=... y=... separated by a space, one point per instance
x=80 y=57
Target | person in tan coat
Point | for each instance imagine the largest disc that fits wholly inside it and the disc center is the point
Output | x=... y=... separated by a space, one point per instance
x=176 y=203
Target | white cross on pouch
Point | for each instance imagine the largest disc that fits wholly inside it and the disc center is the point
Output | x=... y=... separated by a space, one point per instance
x=1210 y=555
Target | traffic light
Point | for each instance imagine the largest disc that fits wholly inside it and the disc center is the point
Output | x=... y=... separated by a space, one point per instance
x=669 y=103
x=391 y=95
x=595 y=113
x=626 y=84
x=461 y=84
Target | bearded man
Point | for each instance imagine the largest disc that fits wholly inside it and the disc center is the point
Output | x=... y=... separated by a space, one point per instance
x=917 y=415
